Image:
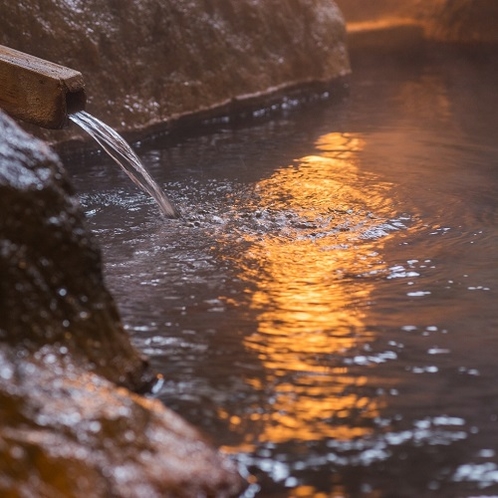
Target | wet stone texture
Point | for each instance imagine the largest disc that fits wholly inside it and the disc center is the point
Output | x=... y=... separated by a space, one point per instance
x=66 y=428
x=459 y=21
x=465 y=21
x=51 y=288
x=148 y=61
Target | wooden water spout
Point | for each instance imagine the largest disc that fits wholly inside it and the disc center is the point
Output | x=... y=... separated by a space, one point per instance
x=39 y=91
x=46 y=94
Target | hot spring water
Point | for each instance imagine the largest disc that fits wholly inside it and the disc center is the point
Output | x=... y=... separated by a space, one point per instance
x=325 y=309
x=123 y=154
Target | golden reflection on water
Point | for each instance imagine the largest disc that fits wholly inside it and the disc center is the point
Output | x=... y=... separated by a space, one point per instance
x=311 y=284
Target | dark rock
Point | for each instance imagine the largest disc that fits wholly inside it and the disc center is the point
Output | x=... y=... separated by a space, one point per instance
x=67 y=429
x=149 y=61
x=51 y=290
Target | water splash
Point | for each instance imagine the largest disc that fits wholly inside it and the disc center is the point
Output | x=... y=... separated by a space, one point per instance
x=115 y=145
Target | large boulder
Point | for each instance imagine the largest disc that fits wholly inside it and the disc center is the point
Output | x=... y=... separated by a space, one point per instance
x=67 y=429
x=149 y=61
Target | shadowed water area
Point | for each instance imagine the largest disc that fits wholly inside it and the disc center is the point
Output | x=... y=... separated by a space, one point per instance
x=326 y=308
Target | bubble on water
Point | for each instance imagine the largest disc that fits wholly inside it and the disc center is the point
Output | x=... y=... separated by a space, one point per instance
x=158 y=384
x=436 y=350
x=409 y=328
x=373 y=359
x=158 y=340
x=418 y=293
x=486 y=453
x=469 y=371
x=446 y=420
x=400 y=271
x=6 y=372
x=95 y=426
x=426 y=369
x=485 y=474
x=291 y=482
x=50 y=358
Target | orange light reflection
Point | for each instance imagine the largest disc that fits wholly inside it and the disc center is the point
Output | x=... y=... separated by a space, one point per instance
x=312 y=283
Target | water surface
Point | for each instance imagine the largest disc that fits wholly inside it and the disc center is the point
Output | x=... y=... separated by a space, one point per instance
x=326 y=309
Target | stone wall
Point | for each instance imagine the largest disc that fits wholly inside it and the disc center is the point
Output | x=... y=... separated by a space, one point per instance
x=368 y=10
x=457 y=21
x=464 y=21
x=148 y=61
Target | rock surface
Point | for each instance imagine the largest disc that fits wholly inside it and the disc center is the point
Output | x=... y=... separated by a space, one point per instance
x=367 y=10
x=148 y=61
x=67 y=432
x=467 y=21
x=460 y=21
x=67 y=429
x=51 y=290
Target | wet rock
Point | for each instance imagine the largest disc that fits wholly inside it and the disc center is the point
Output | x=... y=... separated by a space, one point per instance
x=461 y=21
x=467 y=21
x=70 y=433
x=366 y=10
x=67 y=428
x=51 y=290
x=148 y=61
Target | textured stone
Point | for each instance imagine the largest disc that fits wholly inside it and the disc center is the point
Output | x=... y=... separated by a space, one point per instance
x=460 y=21
x=464 y=21
x=67 y=432
x=368 y=10
x=67 y=429
x=38 y=91
x=148 y=61
x=51 y=290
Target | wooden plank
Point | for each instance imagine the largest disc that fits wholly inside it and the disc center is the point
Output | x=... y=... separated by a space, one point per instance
x=38 y=91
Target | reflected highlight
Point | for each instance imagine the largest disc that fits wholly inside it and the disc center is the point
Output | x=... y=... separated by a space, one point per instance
x=310 y=285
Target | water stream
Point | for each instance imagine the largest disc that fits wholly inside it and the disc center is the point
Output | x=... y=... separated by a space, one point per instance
x=123 y=154
x=326 y=307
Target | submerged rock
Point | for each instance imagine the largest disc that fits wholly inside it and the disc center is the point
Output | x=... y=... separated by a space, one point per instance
x=67 y=429
x=149 y=61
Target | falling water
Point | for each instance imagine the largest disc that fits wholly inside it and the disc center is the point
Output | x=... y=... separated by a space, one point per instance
x=115 y=145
